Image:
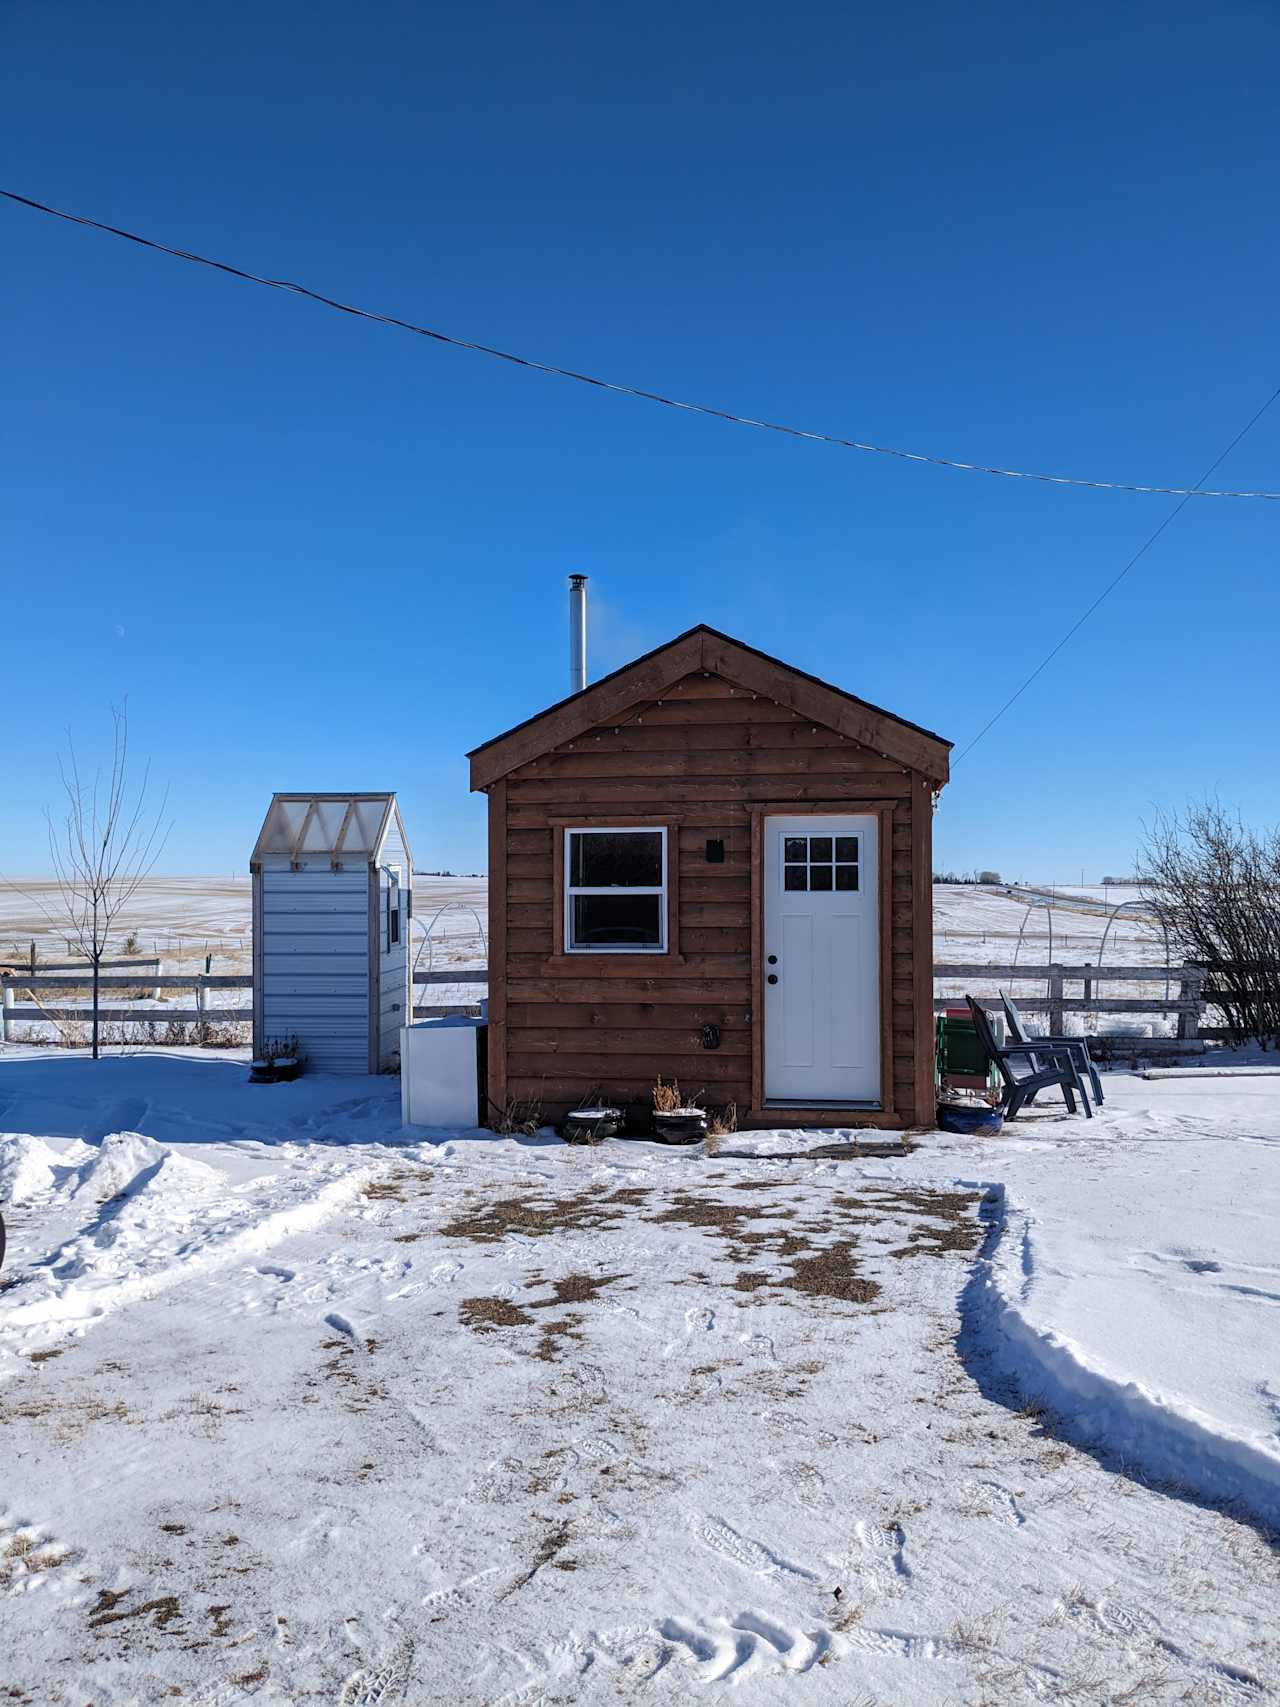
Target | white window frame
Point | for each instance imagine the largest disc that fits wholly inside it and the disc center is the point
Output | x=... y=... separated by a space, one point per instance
x=570 y=889
x=393 y=908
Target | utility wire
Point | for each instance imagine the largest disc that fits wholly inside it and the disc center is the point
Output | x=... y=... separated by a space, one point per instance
x=626 y=390
x=1115 y=581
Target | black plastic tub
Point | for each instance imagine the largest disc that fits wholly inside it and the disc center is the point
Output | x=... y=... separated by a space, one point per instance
x=591 y=1125
x=683 y=1126
x=274 y=1072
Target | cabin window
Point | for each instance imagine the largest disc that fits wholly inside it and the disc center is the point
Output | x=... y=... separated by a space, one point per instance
x=615 y=899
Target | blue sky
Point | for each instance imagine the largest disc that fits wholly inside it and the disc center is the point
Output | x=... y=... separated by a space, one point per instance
x=319 y=553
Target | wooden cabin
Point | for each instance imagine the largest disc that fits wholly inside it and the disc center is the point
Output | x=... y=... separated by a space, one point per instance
x=713 y=867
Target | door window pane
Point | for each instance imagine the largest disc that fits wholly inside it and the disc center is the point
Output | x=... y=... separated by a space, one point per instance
x=846 y=877
x=847 y=847
x=795 y=877
x=795 y=848
x=819 y=877
x=819 y=848
x=615 y=859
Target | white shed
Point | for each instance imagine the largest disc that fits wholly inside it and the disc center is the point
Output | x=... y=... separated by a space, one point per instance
x=332 y=900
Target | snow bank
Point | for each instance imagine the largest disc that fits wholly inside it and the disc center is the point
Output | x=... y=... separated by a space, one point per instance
x=26 y=1167
x=128 y=1162
x=1164 y=1434
x=88 y=1278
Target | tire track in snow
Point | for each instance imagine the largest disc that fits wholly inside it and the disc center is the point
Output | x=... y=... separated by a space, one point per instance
x=78 y=1300
x=1114 y=1419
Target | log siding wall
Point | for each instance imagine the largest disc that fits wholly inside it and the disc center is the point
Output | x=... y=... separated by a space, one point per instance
x=700 y=760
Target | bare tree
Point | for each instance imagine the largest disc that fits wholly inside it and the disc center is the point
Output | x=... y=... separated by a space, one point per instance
x=103 y=844
x=1216 y=886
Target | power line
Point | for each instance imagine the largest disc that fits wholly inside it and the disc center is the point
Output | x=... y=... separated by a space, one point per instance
x=625 y=390
x=1116 y=580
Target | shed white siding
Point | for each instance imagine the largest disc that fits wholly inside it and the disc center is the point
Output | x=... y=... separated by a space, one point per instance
x=315 y=964
x=393 y=974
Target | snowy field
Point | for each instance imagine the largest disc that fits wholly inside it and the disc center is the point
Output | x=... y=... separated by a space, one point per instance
x=183 y=920
x=298 y=1408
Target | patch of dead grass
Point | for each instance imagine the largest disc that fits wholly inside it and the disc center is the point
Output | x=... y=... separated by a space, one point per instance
x=162 y=1611
x=484 y=1315
x=537 y=1216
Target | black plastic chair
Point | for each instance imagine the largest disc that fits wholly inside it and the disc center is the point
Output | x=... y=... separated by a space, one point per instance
x=1048 y=1066
x=1019 y=1033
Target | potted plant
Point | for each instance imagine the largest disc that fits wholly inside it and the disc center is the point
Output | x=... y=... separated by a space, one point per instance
x=676 y=1121
x=964 y=1109
x=281 y=1061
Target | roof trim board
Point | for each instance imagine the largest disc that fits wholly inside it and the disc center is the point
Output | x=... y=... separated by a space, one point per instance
x=708 y=649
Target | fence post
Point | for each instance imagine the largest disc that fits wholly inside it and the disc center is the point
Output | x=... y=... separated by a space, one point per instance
x=1191 y=989
x=156 y=992
x=1057 y=1019
x=200 y=1022
x=5 y=1004
x=1088 y=986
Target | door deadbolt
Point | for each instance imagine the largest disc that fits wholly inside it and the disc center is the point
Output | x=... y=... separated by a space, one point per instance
x=773 y=960
x=773 y=977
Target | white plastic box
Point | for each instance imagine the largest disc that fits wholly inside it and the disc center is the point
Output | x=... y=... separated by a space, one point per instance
x=440 y=1072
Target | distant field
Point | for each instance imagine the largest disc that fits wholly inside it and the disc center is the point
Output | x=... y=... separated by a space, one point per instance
x=182 y=919
x=187 y=922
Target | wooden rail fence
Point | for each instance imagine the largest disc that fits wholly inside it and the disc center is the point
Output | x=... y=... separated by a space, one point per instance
x=54 y=981
x=1194 y=996
x=1188 y=1005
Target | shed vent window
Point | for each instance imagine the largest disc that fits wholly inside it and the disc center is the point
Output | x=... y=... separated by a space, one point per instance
x=615 y=891
x=393 y=907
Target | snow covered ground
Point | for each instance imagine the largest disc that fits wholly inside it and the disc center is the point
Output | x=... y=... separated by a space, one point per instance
x=298 y=1408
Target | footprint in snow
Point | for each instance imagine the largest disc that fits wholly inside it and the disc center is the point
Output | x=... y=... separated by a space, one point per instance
x=737 y=1648
x=888 y=1539
x=994 y=1500
x=754 y=1556
x=380 y=1686
x=807 y=1485
x=698 y=1320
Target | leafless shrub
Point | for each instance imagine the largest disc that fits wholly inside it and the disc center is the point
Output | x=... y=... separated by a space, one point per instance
x=668 y=1098
x=520 y=1116
x=1216 y=885
x=102 y=844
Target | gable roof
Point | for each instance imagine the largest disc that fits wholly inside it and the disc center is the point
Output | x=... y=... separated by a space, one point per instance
x=341 y=826
x=707 y=649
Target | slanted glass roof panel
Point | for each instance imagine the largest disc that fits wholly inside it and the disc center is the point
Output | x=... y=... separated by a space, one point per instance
x=307 y=826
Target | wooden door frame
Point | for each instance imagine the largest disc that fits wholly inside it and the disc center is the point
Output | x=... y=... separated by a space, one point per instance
x=823 y=1114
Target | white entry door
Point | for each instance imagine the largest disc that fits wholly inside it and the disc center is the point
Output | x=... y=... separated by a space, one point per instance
x=821 y=960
